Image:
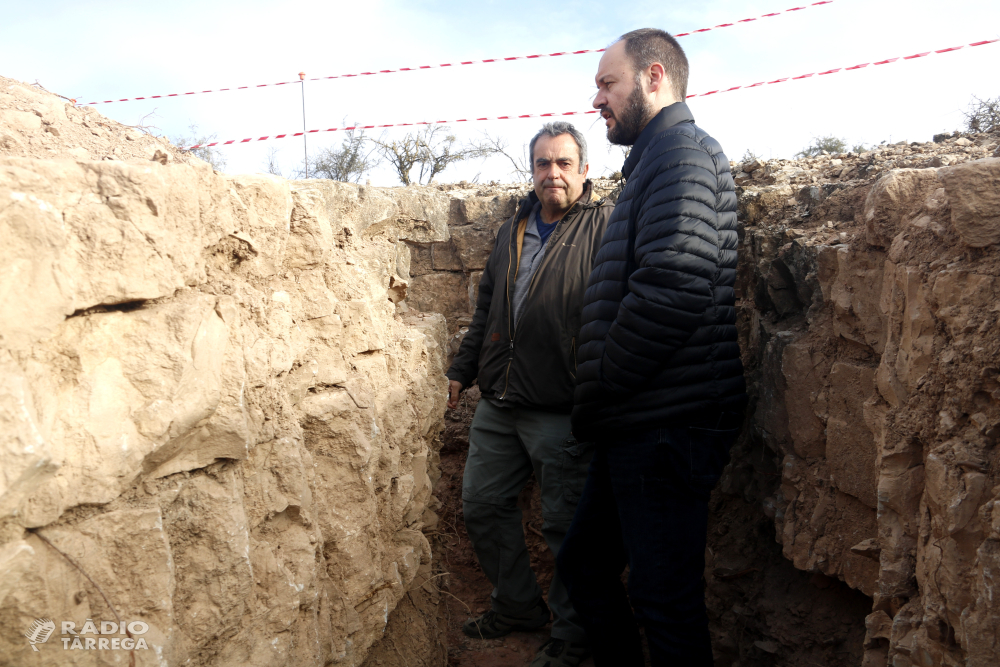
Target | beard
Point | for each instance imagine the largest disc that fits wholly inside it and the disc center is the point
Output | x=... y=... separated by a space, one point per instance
x=633 y=118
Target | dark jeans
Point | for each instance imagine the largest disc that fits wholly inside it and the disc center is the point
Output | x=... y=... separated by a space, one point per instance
x=645 y=505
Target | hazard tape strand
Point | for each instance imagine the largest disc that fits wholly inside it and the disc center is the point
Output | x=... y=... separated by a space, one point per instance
x=455 y=64
x=887 y=61
x=379 y=127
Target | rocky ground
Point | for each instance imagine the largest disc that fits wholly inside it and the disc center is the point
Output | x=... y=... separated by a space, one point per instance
x=36 y=123
x=815 y=199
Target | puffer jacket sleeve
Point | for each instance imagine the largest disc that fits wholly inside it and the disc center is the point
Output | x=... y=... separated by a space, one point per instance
x=676 y=259
x=465 y=366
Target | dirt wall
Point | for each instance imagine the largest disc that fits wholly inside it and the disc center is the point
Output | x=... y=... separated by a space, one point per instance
x=854 y=524
x=212 y=406
x=868 y=321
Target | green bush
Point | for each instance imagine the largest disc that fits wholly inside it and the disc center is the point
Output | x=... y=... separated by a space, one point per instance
x=830 y=144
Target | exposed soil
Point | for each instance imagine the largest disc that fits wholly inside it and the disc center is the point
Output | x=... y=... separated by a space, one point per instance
x=35 y=123
x=762 y=611
x=811 y=266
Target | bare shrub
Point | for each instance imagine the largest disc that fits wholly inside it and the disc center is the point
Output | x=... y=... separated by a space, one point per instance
x=350 y=162
x=271 y=162
x=430 y=150
x=982 y=115
x=522 y=163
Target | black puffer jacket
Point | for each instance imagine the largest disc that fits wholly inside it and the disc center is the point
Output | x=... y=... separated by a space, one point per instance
x=658 y=340
x=533 y=365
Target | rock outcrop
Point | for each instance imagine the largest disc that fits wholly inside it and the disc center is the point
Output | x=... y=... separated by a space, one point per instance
x=212 y=407
x=35 y=123
x=869 y=315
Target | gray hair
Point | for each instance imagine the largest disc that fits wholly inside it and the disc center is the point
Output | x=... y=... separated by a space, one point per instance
x=556 y=129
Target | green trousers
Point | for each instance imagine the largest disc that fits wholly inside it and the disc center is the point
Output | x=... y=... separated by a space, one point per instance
x=505 y=446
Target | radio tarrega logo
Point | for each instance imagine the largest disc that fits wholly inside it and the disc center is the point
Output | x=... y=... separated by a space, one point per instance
x=41 y=630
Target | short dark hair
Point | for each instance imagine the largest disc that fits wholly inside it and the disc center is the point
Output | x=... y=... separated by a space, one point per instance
x=555 y=129
x=646 y=46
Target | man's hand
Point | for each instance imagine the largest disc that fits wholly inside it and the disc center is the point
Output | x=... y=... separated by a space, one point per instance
x=454 y=389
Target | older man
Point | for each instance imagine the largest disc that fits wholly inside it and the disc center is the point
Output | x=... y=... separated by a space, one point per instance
x=660 y=384
x=522 y=346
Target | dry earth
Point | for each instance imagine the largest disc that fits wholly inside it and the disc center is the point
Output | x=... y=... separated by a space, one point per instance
x=36 y=123
x=214 y=417
x=868 y=318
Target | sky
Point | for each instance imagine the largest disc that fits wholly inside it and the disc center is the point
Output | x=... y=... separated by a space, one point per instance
x=96 y=50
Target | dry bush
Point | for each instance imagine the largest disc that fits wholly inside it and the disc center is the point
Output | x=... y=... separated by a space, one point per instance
x=431 y=150
x=982 y=115
x=522 y=164
x=349 y=163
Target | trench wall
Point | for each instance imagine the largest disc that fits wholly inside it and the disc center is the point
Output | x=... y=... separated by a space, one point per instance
x=869 y=323
x=867 y=290
x=217 y=403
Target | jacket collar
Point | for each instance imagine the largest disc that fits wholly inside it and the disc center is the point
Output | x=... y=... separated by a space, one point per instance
x=675 y=114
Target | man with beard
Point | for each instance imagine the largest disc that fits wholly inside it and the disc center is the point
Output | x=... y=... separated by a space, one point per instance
x=522 y=347
x=660 y=386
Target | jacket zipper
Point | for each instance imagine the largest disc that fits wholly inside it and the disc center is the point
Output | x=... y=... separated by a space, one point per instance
x=511 y=249
x=572 y=346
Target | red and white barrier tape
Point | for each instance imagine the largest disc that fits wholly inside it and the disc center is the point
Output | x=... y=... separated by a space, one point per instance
x=887 y=61
x=581 y=113
x=370 y=127
x=463 y=62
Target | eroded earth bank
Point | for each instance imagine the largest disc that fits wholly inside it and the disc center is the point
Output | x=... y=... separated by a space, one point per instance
x=222 y=408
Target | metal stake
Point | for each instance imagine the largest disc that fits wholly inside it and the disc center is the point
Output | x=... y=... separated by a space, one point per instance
x=305 y=148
